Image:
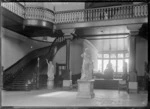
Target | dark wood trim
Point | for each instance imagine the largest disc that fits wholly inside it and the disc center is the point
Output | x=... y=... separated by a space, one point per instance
x=38 y=23
x=114 y=34
x=68 y=57
x=103 y=38
x=40 y=40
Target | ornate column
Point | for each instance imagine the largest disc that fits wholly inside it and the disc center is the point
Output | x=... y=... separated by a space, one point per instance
x=67 y=82
x=1 y=68
x=37 y=78
x=134 y=31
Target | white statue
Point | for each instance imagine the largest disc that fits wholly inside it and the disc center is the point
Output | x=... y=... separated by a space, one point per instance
x=105 y=15
x=50 y=72
x=87 y=66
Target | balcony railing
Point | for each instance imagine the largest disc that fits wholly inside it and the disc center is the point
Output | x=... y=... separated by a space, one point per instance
x=104 y=13
x=16 y=8
x=86 y=15
x=39 y=13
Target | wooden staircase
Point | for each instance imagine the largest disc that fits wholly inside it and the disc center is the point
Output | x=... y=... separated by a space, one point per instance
x=25 y=78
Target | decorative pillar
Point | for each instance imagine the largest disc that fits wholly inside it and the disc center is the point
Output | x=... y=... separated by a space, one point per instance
x=132 y=64
x=67 y=82
x=37 y=78
x=68 y=57
x=134 y=31
x=1 y=69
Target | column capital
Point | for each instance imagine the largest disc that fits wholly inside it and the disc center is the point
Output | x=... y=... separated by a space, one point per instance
x=67 y=32
x=134 y=29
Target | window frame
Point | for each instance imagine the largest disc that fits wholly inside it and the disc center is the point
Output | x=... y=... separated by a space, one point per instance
x=117 y=58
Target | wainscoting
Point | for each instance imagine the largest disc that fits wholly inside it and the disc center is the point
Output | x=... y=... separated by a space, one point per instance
x=106 y=84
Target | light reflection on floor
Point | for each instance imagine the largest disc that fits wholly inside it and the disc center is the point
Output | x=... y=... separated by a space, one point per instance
x=68 y=98
x=51 y=94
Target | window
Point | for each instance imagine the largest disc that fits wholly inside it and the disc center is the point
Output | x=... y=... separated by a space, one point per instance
x=99 y=55
x=113 y=64
x=115 y=51
x=126 y=55
x=106 y=55
x=113 y=56
x=100 y=65
x=105 y=64
x=120 y=65
x=120 y=55
x=127 y=61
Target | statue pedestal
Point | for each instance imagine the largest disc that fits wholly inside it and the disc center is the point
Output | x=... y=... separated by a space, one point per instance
x=133 y=87
x=50 y=84
x=67 y=83
x=85 y=89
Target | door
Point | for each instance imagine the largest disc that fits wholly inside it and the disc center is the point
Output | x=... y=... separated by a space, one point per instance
x=60 y=69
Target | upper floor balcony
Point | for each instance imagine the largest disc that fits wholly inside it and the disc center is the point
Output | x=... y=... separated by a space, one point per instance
x=103 y=16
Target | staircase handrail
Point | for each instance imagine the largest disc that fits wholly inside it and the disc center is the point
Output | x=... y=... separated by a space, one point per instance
x=23 y=61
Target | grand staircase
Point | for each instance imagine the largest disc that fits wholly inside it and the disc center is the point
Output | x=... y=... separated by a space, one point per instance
x=23 y=74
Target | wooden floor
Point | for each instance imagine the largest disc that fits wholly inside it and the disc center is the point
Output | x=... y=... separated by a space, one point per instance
x=64 y=98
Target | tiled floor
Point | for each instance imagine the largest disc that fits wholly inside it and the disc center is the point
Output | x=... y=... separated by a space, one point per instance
x=68 y=98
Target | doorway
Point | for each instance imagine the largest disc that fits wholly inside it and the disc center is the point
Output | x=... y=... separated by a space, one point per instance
x=59 y=75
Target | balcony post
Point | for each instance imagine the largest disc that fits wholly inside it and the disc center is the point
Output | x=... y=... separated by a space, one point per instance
x=1 y=68
x=67 y=82
x=134 y=31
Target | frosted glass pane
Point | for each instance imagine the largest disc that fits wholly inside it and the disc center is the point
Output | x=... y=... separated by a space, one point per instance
x=100 y=65
x=120 y=44
x=105 y=64
x=120 y=66
x=106 y=45
x=99 y=55
x=113 y=64
x=120 y=55
x=112 y=55
x=127 y=61
x=126 y=44
x=106 y=55
x=113 y=43
x=127 y=55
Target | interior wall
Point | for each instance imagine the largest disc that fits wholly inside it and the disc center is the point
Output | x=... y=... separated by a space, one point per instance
x=76 y=49
x=60 y=56
x=141 y=55
x=16 y=46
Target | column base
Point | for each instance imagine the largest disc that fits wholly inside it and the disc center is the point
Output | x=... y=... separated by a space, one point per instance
x=67 y=84
x=50 y=84
x=133 y=87
x=85 y=89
